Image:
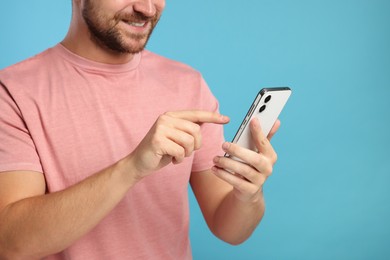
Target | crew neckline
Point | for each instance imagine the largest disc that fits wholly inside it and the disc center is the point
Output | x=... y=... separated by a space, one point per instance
x=94 y=65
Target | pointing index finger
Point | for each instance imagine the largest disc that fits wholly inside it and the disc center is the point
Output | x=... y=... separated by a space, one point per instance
x=200 y=116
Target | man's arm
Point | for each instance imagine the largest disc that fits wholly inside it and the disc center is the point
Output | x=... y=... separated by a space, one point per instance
x=233 y=204
x=228 y=218
x=34 y=224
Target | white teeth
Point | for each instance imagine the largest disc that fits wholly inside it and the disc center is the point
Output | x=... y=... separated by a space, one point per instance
x=137 y=24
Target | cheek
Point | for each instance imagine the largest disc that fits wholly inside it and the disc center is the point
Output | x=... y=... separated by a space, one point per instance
x=106 y=8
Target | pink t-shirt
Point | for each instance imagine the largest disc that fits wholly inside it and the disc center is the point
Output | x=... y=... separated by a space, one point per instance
x=69 y=117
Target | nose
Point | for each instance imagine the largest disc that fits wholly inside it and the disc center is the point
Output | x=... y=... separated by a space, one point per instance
x=146 y=7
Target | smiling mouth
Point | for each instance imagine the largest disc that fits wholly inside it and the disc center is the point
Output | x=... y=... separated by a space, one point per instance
x=135 y=24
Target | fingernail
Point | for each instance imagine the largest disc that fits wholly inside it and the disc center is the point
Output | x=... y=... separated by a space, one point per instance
x=225 y=146
x=216 y=159
x=256 y=123
x=224 y=118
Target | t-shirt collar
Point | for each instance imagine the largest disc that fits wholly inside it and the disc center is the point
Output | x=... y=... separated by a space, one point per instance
x=97 y=66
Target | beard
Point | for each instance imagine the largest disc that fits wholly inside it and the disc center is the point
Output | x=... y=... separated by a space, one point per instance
x=105 y=32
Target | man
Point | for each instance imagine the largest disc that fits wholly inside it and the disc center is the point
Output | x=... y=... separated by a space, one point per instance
x=100 y=138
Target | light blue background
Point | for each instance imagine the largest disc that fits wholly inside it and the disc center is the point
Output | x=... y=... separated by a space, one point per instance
x=329 y=195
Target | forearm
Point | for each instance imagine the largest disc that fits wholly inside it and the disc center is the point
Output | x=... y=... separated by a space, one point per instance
x=43 y=225
x=234 y=220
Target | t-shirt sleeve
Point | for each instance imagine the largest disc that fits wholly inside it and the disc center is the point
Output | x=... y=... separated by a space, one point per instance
x=17 y=149
x=212 y=134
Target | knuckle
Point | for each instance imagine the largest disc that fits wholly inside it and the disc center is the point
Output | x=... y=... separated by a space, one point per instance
x=264 y=141
x=191 y=141
x=193 y=129
x=156 y=141
x=264 y=165
x=257 y=162
x=160 y=127
x=189 y=145
x=168 y=114
x=188 y=140
x=180 y=152
x=231 y=148
x=162 y=119
x=268 y=168
x=274 y=157
x=197 y=136
x=262 y=180
x=198 y=142
x=196 y=128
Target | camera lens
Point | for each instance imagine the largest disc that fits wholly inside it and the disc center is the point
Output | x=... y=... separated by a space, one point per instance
x=267 y=99
x=262 y=108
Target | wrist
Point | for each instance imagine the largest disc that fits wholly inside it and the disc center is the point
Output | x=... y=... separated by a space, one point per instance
x=128 y=170
x=256 y=198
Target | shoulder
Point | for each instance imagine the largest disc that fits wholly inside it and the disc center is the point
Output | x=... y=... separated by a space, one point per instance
x=30 y=65
x=25 y=72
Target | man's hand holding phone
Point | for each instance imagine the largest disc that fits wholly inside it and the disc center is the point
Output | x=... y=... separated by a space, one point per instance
x=248 y=174
x=250 y=157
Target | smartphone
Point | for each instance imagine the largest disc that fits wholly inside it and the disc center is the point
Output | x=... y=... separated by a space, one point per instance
x=267 y=106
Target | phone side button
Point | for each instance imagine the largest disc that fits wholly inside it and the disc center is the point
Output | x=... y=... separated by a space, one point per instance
x=244 y=123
